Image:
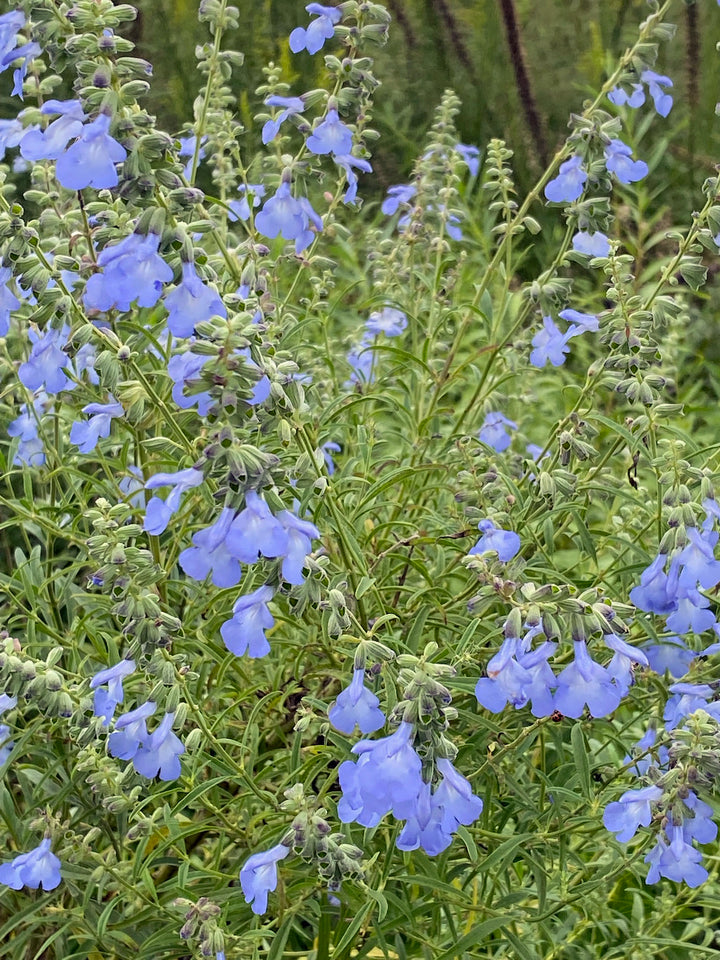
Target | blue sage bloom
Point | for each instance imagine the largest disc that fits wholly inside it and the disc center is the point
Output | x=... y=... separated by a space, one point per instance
x=349 y=164
x=401 y=193
x=184 y=370
x=187 y=149
x=31 y=450
x=288 y=217
x=85 y=434
x=24 y=54
x=8 y=301
x=192 y=302
x=300 y=533
x=679 y=860
x=210 y=553
x=159 y=511
x=38 y=868
x=48 y=144
x=632 y=810
x=655 y=83
x=258 y=876
x=256 y=531
x=133 y=271
x=471 y=157
x=160 y=753
x=313 y=37
x=11 y=133
x=583 y=682
x=519 y=675
x=618 y=161
x=6 y=744
x=505 y=543
x=245 y=631
x=45 y=367
x=130 y=731
x=493 y=432
x=241 y=208
x=389 y=321
x=569 y=183
x=106 y=700
x=90 y=161
x=592 y=244
x=440 y=812
x=551 y=344
x=356 y=706
x=291 y=106
x=331 y=136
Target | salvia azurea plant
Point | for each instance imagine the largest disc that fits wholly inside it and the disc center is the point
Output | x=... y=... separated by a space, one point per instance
x=359 y=594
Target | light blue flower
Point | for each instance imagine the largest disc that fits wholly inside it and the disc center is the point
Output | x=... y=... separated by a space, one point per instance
x=356 y=706
x=291 y=106
x=289 y=217
x=494 y=433
x=159 y=511
x=331 y=136
x=245 y=631
x=38 y=868
x=191 y=302
x=321 y=29
x=106 y=700
x=90 y=161
x=130 y=731
x=591 y=244
x=505 y=543
x=569 y=183
x=389 y=321
x=85 y=434
x=159 y=754
x=48 y=144
x=618 y=161
x=258 y=876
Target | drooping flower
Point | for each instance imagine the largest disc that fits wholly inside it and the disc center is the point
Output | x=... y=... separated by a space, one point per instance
x=187 y=149
x=471 y=156
x=130 y=731
x=361 y=359
x=159 y=511
x=8 y=301
x=678 y=861
x=30 y=451
x=618 y=161
x=385 y=778
x=291 y=106
x=245 y=631
x=313 y=38
x=697 y=560
x=300 y=534
x=106 y=700
x=241 y=208
x=258 y=876
x=551 y=344
x=331 y=136
x=658 y=590
x=632 y=810
x=133 y=270
x=670 y=655
x=90 y=161
x=356 y=706
x=505 y=543
x=6 y=744
x=349 y=164
x=48 y=144
x=159 y=754
x=11 y=133
x=569 y=183
x=255 y=530
x=583 y=682
x=45 y=367
x=37 y=868
x=210 y=554
x=401 y=193
x=24 y=53
x=592 y=244
x=389 y=321
x=634 y=99
x=519 y=675
x=621 y=667
x=85 y=434
x=655 y=82
x=184 y=370
x=455 y=798
x=494 y=433
x=579 y=322
x=191 y=302
x=289 y=217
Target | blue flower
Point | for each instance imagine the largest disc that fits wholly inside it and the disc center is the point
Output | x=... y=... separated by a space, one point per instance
x=592 y=244
x=655 y=82
x=191 y=302
x=585 y=682
x=38 y=868
x=187 y=149
x=356 y=706
x=389 y=321
x=258 y=876
x=620 y=97
x=48 y=144
x=288 y=217
x=10 y=25
x=328 y=449
x=106 y=700
x=518 y=675
x=671 y=655
x=692 y=614
x=570 y=182
x=210 y=553
x=25 y=54
x=241 y=208
x=132 y=271
x=245 y=632
x=455 y=798
x=361 y=358
x=130 y=731
x=617 y=160
x=347 y=163
x=300 y=533
x=505 y=543
x=621 y=666
x=313 y=38
x=424 y=827
x=698 y=560
x=8 y=301
x=632 y=810
x=658 y=591
x=11 y=133
x=256 y=531
x=679 y=861
x=6 y=745
x=132 y=486
x=158 y=513
x=45 y=367
x=331 y=136
x=90 y=161
x=159 y=754
x=579 y=322
x=291 y=107
x=385 y=778
x=30 y=451
x=493 y=431
x=551 y=344
x=86 y=435
x=402 y=193
x=471 y=156
x=184 y=370
x=685 y=699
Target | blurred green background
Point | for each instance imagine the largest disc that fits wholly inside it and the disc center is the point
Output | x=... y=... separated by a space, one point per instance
x=568 y=47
